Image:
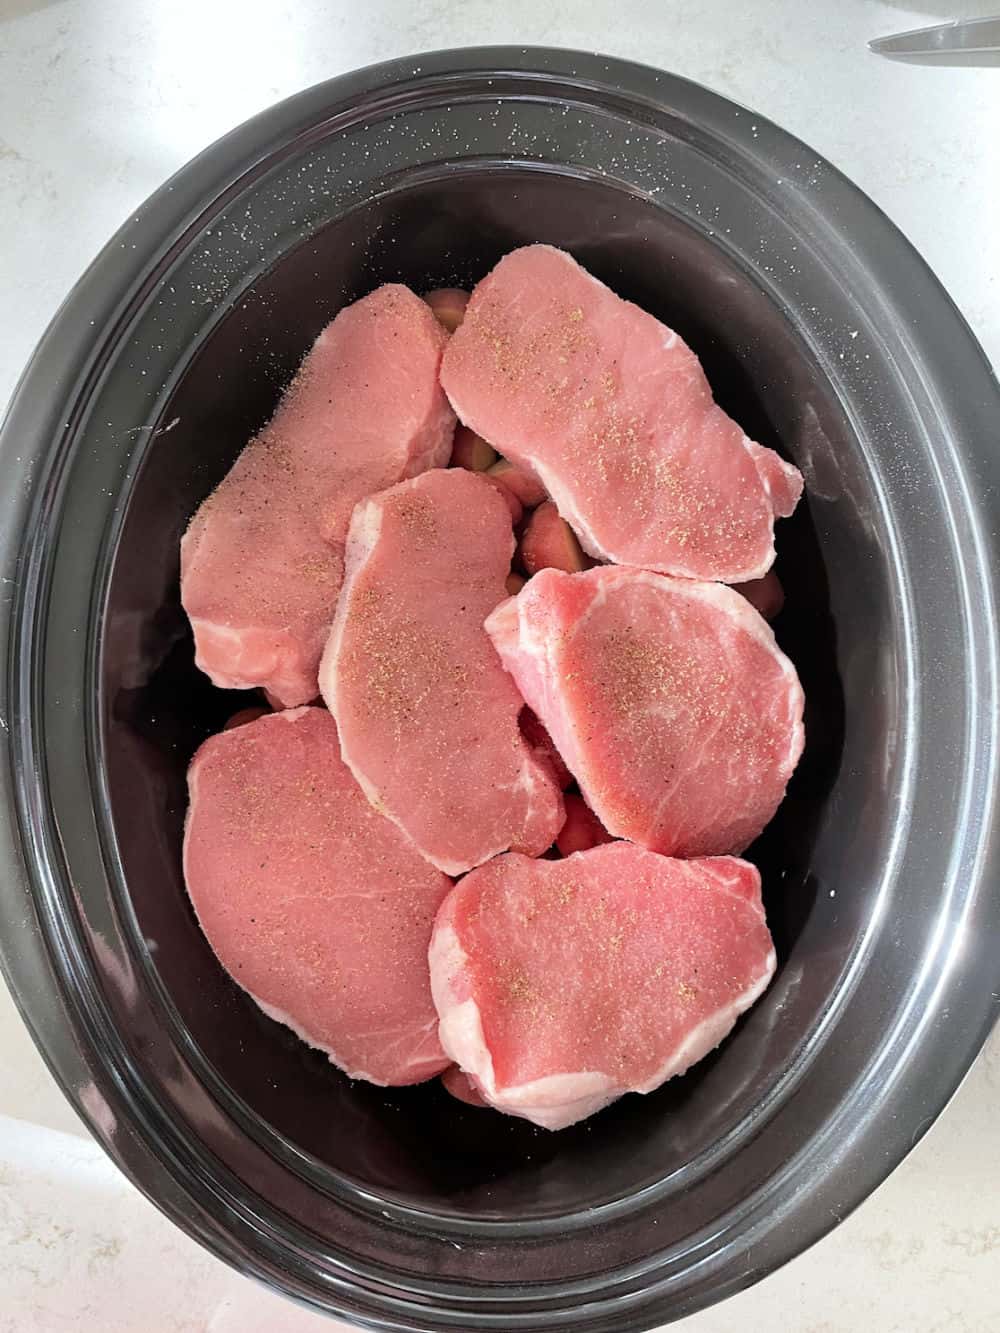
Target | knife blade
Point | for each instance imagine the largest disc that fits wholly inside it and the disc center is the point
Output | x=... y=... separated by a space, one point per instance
x=959 y=35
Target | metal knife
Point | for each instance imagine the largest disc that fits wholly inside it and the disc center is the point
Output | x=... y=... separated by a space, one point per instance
x=959 y=37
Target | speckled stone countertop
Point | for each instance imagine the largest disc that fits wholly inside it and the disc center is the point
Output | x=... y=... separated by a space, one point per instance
x=100 y=100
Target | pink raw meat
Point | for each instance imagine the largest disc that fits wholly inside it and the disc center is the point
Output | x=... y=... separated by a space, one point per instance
x=669 y=701
x=462 y=1087
x=262 y=561
x=313 y=902
x=563 y=984
x=611 y=411
x=426 y=713
x=540 y=740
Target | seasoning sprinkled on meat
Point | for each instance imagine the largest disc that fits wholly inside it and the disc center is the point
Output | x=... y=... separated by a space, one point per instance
x=609 y=409
x=262 y=562
x=668 y=700
x=314 y=903
x=428 y=717
x=562 y=985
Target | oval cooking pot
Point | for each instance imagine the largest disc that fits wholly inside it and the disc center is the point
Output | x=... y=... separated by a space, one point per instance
x=826 y=336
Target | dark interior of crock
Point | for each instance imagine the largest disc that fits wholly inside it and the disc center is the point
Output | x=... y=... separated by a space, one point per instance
x=418 y=1145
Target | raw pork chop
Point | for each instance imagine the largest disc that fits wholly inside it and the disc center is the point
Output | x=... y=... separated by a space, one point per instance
x=563 y=984
x=262 y=561
x=313 y=902
x=426 y=713
x=611 y=411
x=669 y=701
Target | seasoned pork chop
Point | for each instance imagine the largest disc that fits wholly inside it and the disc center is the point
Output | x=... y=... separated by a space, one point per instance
x=428 y=718
x=262 y=561
x=668 y=700
x=563 y=984
x=314 y=903
x=611 y=412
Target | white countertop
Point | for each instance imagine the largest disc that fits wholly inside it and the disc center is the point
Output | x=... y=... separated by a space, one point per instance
x=100 y=100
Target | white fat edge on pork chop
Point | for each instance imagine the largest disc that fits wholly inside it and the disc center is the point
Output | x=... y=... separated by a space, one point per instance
x=460 y=1032
x=506 y=625
x=362 y=535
